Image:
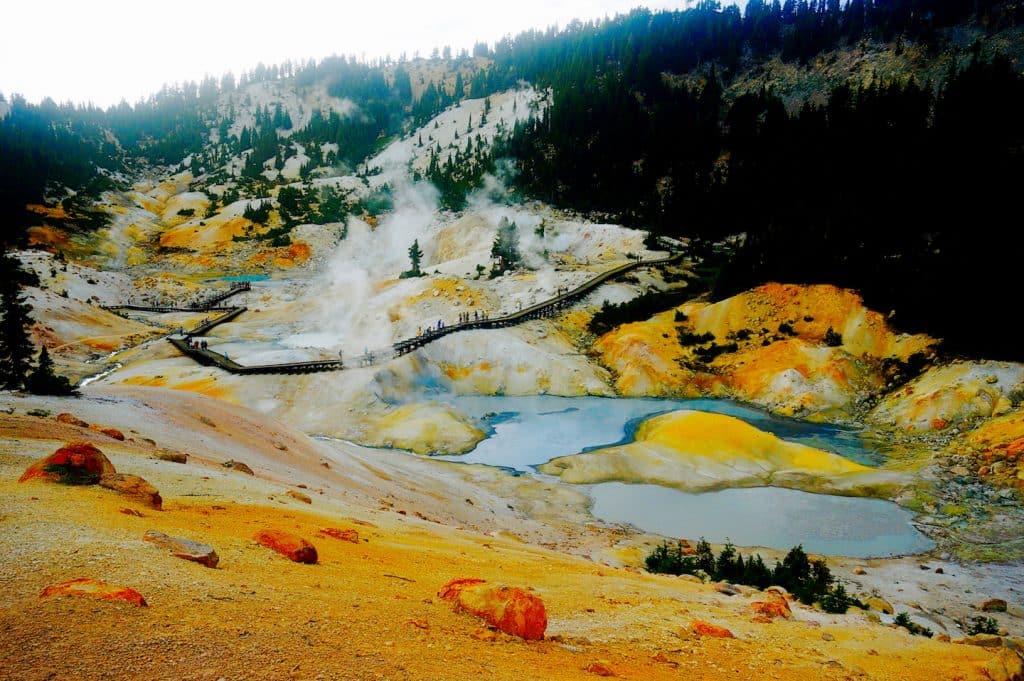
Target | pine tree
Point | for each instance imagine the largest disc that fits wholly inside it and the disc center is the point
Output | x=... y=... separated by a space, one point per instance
x=43 y=380
x=415 y=255
x=15 y=345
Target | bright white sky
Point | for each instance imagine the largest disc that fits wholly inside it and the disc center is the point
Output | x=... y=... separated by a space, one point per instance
x=105 y=50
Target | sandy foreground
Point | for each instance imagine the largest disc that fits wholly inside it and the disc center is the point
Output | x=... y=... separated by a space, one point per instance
x=370 y=609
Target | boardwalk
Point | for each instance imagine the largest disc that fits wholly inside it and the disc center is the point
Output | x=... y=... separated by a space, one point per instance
x=207 y=357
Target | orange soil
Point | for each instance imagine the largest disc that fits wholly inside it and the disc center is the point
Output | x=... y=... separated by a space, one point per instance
x=367 y=609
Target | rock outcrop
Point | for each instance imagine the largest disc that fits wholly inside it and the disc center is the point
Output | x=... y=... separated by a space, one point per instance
x=707 y=629
x=508 y=608
x=348 y=535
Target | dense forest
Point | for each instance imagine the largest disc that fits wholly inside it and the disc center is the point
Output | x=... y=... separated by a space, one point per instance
x=899 y=188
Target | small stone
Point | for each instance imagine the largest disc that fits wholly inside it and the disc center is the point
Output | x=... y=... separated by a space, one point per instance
x=92 y=588
x=72 y=420
x=859 y=571
x=939 y=571
x=291 y=546
x=112 y=433
x=238 y=466
x=304 y=498
x=825 y=636
x=173 y=457
x=348 y=535
x=135 y=487
x=187 y=549
x=879 y=605
x=706 y=629
x=600 y=668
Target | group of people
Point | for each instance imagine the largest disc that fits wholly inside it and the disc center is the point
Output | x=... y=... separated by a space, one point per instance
x=466 y=317
x=197 y=344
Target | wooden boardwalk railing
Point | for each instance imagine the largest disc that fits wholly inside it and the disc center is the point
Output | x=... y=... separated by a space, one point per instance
x=209 y=357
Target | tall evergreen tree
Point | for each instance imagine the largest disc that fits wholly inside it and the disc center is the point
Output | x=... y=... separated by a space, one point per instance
x=15 y=346
x=415 y=256
x=43 y=380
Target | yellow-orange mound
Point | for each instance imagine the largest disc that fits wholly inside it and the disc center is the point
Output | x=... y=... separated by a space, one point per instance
x=698 y=451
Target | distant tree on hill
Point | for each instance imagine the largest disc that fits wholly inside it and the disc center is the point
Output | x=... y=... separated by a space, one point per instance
x=505 y=250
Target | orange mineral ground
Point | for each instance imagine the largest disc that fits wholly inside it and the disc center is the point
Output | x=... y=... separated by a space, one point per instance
x=369 y=609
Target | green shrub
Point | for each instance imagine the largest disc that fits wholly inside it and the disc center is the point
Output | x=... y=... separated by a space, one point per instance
x=983 y=625
x=72 y=475
x=787 y=328
x=686 y=338
x=903 y=620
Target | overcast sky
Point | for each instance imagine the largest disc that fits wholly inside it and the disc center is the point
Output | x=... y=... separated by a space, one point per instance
x=105 y=50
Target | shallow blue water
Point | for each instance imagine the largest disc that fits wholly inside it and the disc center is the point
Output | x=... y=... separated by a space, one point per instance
x=524 y=432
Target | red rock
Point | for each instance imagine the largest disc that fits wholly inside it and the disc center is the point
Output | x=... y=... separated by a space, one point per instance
x=291 y=546
x=112 y=432
x=344 y=535
x=705 y=629
x=132 y=512
x=419 y=623
x=187 y=549
x=601 y=668
x=71 y=419
x=135 y=487
x=74 y=463
x=94 y=589
x=510 y=609
x=776 y=606
x=1015 y=448
x=939 y=423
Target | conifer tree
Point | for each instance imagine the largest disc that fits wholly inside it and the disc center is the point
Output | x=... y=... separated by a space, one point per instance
x=15 y=345
x=43 y=380
x=415 y=256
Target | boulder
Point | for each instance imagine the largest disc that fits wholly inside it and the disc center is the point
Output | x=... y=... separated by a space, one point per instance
x=706 y=629
x=173 y=457
x=993 y=605
x=184 y=548
x=92 y=588
x=859 y=571
x=76 y=463
x=291 y=546
x=238 y=466
x=344 y=535
x=510 y=609
x=775 y=606
x=879 y=605
x=304 y=498
x=135 y=487
x=72 y=420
